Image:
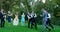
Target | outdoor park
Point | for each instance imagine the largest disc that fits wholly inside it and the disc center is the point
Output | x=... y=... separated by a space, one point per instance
x=19 y=10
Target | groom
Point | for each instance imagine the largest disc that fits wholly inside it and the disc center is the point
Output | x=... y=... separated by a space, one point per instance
x=44 y=16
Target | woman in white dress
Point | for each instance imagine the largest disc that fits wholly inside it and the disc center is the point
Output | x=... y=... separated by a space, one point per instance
x=16 y=20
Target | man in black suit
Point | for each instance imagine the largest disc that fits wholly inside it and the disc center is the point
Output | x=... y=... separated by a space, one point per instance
x=29 y=19
x=33 y=17
x=48 y=22
x=2 y=18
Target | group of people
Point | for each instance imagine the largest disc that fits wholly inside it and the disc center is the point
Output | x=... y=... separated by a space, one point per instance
x=9 y=15
x=31 y=19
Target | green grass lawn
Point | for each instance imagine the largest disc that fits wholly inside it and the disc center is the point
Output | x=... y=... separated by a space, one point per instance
x=19 y=28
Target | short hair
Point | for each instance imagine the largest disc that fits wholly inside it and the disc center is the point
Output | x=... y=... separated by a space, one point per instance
x=2 y=9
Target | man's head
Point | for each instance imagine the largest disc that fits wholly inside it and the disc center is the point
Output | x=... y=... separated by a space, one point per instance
x=33 y=12
x=8 y=11
x=44 y=9
x=28 y=12
x=2 y=10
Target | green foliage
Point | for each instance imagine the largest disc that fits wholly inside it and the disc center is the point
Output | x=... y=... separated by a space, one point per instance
x=14 y=5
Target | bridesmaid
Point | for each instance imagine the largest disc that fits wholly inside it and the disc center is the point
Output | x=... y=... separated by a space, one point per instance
x=23 y=19
x=9 y=18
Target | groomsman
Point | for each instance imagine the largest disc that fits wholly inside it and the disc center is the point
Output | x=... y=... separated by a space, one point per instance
x=33 y=17
x=29 y=19
x=2 y=18
x=49 y=22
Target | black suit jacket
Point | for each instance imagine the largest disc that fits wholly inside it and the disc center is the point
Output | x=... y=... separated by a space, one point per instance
x=1 y=15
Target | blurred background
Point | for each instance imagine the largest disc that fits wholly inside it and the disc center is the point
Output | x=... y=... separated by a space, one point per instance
x=35 y=5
